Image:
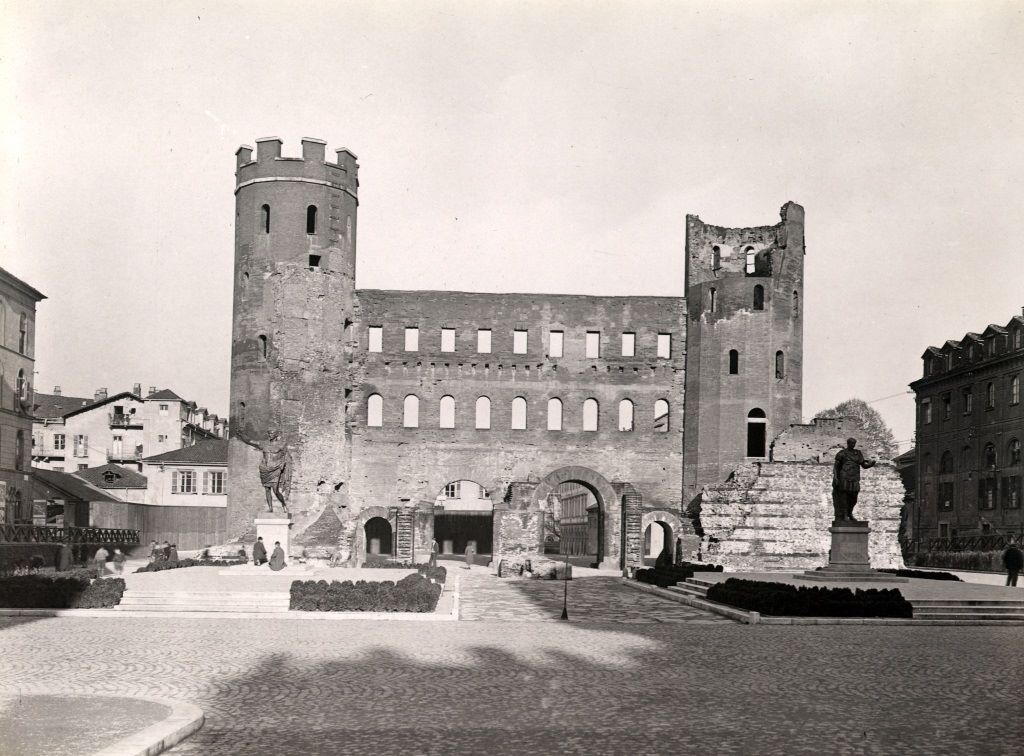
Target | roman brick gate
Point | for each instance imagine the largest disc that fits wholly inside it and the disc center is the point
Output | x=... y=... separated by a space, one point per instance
x=519 y=517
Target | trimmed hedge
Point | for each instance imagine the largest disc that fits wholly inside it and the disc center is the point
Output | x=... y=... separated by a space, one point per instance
x=986 y=561
x=165 y=565
x=782 y=599
x=923 y=574
x=437 y=574
x=413 y=593
x=677 y=573
x=61 y=590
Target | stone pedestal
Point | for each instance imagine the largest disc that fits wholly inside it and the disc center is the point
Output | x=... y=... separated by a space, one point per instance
x=275 y=527
x=848 y=560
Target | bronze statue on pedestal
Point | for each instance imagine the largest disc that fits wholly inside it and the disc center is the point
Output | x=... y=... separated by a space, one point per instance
x=846 y=480
x=275 y=467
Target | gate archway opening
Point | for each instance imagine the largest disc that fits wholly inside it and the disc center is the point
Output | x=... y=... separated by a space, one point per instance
x=463 y=515
x=379 y=539
x=574 y=524
x=658 y=536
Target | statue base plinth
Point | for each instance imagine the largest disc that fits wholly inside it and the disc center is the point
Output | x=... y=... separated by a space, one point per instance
x=849 y=560
x=274 y=526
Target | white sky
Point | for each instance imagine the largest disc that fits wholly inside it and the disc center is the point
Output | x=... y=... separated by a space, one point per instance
x=516 y=146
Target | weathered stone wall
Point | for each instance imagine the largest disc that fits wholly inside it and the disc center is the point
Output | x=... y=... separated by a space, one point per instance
x=717 y=402
x=776 y=516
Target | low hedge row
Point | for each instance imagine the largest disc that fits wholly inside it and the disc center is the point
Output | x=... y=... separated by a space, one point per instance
x=413 y=593
x=437 y=574
x=60 y=590
x=987 y=561
x=923 y=574
x=669 y=575
x=782 y=599
x=165 y=565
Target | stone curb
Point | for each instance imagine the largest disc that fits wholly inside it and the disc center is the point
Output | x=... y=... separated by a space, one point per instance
x=183 y=720
x=738 y=615
x=452 y=616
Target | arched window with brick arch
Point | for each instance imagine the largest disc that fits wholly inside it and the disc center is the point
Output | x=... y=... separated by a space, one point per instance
x=447 y=419
x=759 y=297
x=661 y=418
x=375 y=411
x=757 y=432
x=411 y=412
x=519 y=413
x=734 y=362
x=554 y=414
x=625 y=415
x=265 y=219
x=483 y=413
x=590 y=413
x=946 y=462
x=311 y=219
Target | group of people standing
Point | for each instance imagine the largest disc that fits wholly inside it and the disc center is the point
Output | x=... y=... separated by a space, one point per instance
x=165 y=552
x=99 y=560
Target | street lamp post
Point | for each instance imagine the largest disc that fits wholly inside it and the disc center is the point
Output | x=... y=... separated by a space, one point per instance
x=565 y=589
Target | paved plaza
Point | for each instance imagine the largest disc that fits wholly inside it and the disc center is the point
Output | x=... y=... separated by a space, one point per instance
x=602 y=683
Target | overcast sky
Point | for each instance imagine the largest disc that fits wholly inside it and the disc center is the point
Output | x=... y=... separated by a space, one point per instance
x=514 y=146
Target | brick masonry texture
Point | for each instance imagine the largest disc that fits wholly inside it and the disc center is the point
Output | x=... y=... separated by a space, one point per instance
x=302 y=362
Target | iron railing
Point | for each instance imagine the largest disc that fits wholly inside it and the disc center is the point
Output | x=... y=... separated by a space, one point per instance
x=133 y=453
x=54 y=534
x=966 y=543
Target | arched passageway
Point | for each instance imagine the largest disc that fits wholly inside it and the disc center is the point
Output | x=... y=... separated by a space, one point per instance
x=378 y=536
x=657 y=537
x=595 y=512
x=463 y=515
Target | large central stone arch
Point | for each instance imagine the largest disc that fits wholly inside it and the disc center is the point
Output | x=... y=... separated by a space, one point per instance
x=607 y=499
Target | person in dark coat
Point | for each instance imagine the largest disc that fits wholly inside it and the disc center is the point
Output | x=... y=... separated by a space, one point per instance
x=432 y=562
x=1013 y=560
x=172 y=554
x=277 y=557
x=64 y=558
x=154 y=552
x=165 y=552
x=259 y=552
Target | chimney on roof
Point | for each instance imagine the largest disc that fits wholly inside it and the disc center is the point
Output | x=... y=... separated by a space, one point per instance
x=56 y=390
x=137 y=389
x=101 y=394
x=152 y=390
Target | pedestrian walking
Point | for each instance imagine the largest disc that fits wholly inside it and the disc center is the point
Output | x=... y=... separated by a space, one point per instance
x=64 y=558
x=119 y=560
x=277 y=557
x=470 y=554
x=432 y=562
x=172 y=554
x=1013 y=561
x=259 y=552
x=99 y=561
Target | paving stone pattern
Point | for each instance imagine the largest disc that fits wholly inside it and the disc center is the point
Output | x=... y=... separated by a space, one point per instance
x=591 y=599
x=273 y=686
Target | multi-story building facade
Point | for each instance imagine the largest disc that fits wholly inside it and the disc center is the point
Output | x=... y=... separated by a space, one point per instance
x=17 y=366
x=74 y=433
x=386 y=397
x=970 y=427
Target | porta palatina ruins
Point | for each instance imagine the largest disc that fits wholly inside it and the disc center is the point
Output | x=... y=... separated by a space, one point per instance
x=410 y=416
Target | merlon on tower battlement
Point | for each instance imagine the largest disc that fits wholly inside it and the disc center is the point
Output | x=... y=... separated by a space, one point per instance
x=270 y=165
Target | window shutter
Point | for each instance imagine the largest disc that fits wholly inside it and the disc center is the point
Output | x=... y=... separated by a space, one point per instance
x=206 y=482
x=174 y=481
x=223 y=482
x=85 y=446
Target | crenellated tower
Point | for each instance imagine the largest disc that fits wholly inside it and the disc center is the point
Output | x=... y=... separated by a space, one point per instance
x=295 y=261
x=744 y=360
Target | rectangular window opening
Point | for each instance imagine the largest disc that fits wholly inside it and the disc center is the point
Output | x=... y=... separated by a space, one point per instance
x=412 y=339
x=665 y=345
x=593 y=344
x=483 y=340
x=555 y=344
x=519 y=341
x=629 y=345
x=447 y=339
x=376 y=339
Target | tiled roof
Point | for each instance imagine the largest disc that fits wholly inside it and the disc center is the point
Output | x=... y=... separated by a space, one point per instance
x=55 y=484
x=101 y=402
x=112 y=476
x=210 y=452
x=166 y=395
x=56 y=405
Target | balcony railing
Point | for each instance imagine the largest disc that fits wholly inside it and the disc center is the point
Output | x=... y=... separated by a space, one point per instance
x=125 y=454
x=51 y=534
x=121 y=420
x=48 y=450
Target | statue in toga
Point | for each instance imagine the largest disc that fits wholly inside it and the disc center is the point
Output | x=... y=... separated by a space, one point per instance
x=846 y=480
x=275 y=467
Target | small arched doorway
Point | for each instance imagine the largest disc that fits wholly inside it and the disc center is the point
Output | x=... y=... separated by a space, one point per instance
x=464 y=515
x=657 y=537
x=378 y=536
x=757 y=432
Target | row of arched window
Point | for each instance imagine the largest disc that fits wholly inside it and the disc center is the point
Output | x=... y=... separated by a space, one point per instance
x=990 y=459
x=758 y=301
x=311 y=213
x=780 y=363
x=590 y=414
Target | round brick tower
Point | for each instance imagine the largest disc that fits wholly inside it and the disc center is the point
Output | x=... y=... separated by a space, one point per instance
x=295 y=259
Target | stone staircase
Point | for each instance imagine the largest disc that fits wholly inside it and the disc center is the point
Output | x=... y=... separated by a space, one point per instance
x=251 y=602
x=989 y=610
x=931 y=611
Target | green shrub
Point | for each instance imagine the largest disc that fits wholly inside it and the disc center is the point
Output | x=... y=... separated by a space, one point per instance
x=62 y=590
x=413 y=593
x=782 y=599
x=437 y=574
x=164 y=565
x=923 y=574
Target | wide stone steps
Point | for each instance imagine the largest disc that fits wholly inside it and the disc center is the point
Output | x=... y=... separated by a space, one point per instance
x=200 y=601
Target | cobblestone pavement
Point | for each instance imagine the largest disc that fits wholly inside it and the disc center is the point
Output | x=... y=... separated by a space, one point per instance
x=273 y=686
x=591 y=599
